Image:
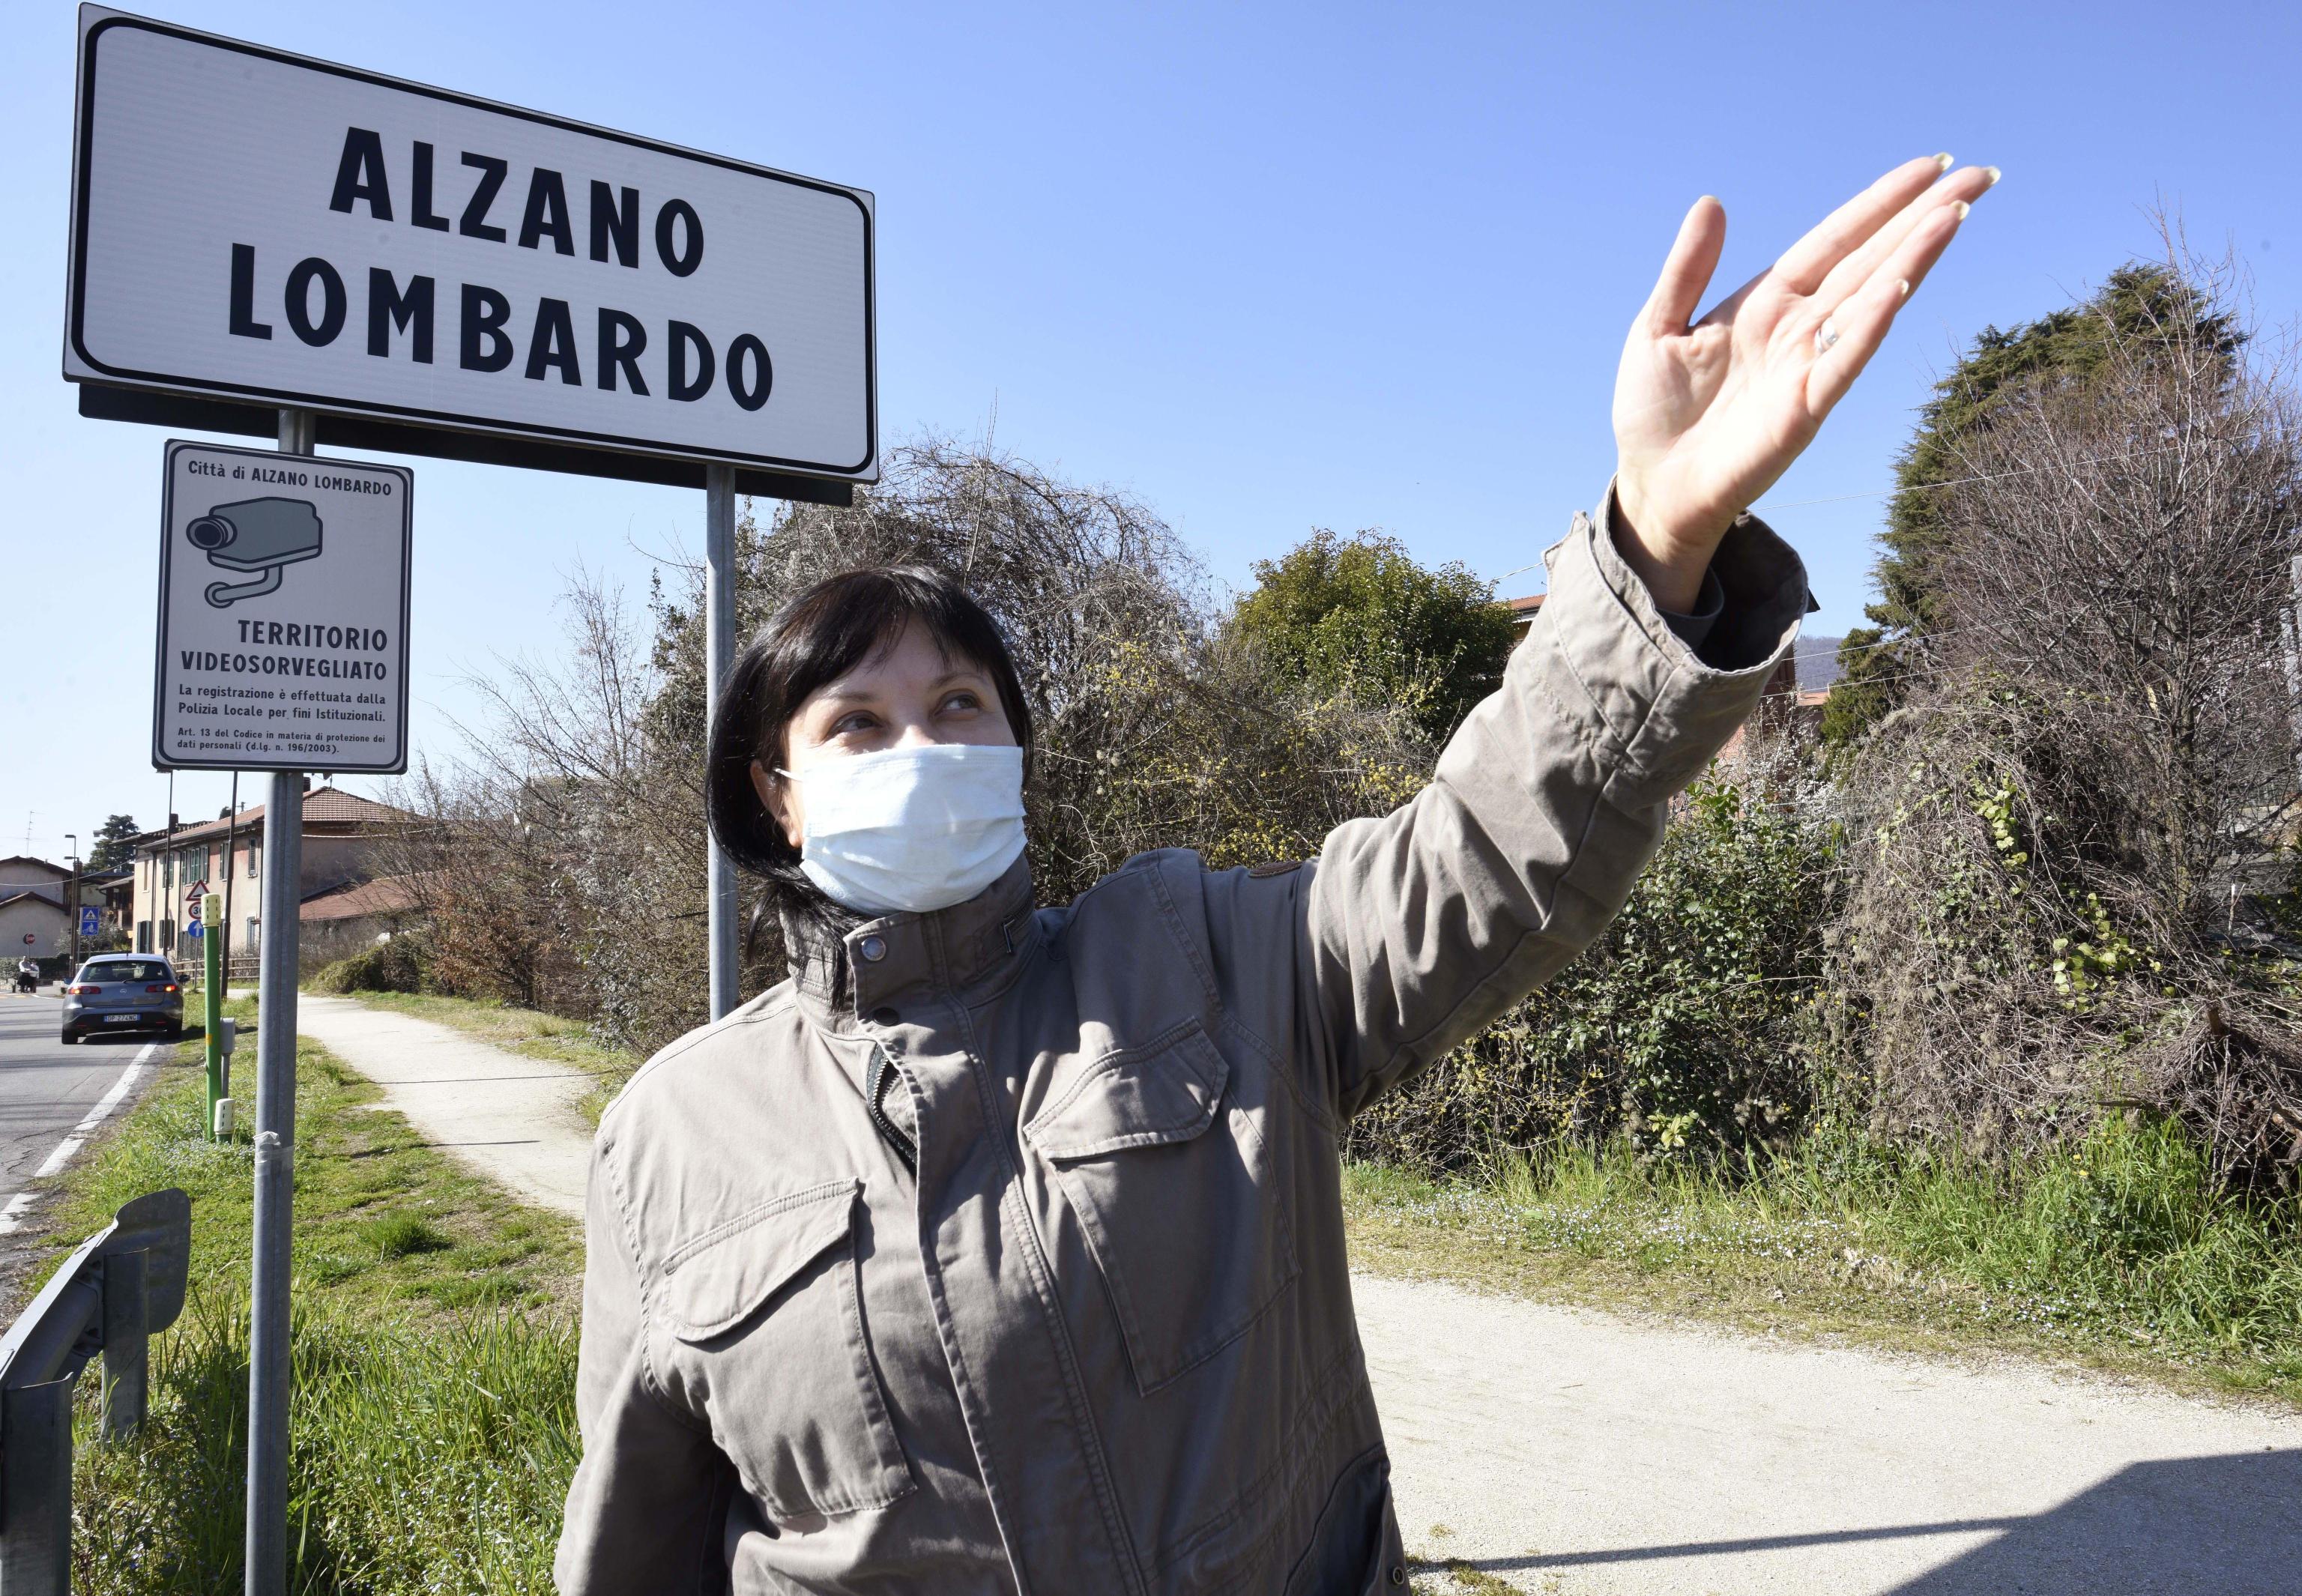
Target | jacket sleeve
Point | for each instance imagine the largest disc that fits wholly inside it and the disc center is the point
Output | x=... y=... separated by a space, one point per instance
x=1421 y=927
x=647 y=1509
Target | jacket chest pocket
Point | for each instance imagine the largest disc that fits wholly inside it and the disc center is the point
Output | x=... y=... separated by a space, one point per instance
x=1174 y=1191
x=766 y=1306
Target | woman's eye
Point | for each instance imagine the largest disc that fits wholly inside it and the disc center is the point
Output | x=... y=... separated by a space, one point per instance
x=963 y=701
x=848 y=724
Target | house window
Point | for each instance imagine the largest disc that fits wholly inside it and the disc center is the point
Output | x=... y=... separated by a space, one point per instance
x=252 y=852
x=167 y=869
x=249 y=942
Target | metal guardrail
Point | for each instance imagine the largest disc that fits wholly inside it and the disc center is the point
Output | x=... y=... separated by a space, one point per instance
x=124 y=1285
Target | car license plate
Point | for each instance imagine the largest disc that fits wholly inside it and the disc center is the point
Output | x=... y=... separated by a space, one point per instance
x=121 y=1019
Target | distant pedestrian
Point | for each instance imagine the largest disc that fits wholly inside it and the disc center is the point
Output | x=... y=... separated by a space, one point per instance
x=1001 y=1248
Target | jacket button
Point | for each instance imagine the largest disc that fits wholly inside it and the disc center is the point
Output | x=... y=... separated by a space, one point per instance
x=872 y=948
x=884 y=1015
x=1398 y=1575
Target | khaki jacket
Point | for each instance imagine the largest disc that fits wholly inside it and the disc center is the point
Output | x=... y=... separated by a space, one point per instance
x=1001 y=1250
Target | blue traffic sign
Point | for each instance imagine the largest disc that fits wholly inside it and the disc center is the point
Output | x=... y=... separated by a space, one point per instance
x=194 y=930
x=88 y=921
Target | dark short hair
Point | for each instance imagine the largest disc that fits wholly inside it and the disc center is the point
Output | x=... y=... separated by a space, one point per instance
x=819 y=636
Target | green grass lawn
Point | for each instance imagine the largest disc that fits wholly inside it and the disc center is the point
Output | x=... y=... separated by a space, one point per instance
x=2114 y=1257
x=434 y=1351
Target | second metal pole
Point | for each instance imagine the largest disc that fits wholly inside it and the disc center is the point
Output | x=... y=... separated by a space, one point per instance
x=275 y=1156
x=2289 y=626
x=718 y=654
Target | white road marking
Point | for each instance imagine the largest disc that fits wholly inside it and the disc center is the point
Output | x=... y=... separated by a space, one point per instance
x=12 y=1215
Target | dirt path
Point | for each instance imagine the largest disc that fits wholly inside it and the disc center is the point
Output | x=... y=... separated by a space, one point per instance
x=1570 y=1451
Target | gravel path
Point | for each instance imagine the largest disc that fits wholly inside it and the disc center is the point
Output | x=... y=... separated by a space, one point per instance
x=1570 y=1451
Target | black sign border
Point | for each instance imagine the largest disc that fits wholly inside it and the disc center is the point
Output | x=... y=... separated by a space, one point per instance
x=160 y=761
x=83 y=137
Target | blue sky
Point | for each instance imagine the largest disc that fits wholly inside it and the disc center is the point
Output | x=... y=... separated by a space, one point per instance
x=1267 y=267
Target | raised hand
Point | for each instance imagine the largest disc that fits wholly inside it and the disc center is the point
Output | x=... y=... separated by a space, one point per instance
x=1707 y=415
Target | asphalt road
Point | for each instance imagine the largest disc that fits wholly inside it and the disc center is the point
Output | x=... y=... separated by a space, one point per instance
x=52 y=1095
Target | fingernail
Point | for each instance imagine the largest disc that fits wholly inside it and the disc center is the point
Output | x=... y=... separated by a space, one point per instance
x=1961 y=207
x=1941 y=162
x=1902 y=287
x=1995 y=175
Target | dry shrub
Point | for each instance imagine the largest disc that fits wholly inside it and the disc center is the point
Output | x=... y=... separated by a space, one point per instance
x=2089 y=787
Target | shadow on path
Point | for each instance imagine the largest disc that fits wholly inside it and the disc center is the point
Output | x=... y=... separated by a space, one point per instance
x=2229 y=1524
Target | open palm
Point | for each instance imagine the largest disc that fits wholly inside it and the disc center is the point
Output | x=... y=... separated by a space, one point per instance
x=1709 y=413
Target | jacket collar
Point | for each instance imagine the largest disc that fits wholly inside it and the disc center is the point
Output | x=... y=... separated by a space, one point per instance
x=838 y=977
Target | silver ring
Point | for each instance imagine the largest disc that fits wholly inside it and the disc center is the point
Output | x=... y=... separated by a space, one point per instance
x=1825 y=336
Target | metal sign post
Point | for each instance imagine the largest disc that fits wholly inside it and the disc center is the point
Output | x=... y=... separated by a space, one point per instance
x=2290 y=625
x=212 y=980
x=275 y=1156
x=718 y=654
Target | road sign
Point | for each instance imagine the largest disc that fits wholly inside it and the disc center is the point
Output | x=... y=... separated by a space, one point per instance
x=29 y=938
x=263 y=227
x=283 y=613
x=193 y=928
x=88 y=921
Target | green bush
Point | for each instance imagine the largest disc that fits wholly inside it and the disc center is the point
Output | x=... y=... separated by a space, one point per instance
x=1686 y=1025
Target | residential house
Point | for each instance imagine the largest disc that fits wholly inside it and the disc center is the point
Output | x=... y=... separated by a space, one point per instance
x=353 y=918
x=1522 y=613
x=341 y=831
x=34 y=919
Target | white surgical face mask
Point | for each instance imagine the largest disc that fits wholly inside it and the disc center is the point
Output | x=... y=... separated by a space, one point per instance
x=912 y=829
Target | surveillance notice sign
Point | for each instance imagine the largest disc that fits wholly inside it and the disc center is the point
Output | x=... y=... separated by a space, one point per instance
x=283 y=613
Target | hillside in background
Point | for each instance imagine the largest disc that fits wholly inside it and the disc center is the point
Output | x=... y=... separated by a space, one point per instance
x=1818 y=662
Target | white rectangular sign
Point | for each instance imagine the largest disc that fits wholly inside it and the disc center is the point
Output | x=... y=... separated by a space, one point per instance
x=263 y=227
x=283 y=613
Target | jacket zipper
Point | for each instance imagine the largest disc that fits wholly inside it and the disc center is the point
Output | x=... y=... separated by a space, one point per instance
x=875 y=1086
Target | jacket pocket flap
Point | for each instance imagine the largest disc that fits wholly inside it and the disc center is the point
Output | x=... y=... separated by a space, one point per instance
x=1166 y=1091
x=719 y=1279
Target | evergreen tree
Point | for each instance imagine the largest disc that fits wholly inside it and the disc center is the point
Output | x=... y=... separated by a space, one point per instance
x=1357 y=615
x=114 y=846
x=2064 y=346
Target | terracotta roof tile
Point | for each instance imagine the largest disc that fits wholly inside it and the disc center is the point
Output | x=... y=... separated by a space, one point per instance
x=320 y=804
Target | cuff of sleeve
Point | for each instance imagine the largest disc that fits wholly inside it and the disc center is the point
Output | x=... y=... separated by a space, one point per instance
x=1667 y=710
x=1710 y=604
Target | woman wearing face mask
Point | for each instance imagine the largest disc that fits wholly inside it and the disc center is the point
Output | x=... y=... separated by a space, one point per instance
x=1000 y=1250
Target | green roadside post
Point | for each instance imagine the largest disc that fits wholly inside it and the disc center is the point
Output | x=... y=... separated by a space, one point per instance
x=211 y=996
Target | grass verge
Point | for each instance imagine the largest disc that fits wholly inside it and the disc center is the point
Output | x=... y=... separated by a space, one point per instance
x=2116 y=1256
x=434 y=1353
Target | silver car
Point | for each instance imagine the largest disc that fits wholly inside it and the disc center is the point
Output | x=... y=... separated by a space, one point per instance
x=124 y=992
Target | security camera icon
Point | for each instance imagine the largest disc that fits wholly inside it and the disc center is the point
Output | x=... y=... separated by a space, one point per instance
x=255 y=534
